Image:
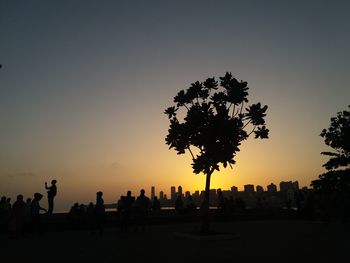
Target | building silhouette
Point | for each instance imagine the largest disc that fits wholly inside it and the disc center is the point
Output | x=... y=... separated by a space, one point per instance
x=153 y=192
x=270 y=198
x=195 y=196
x=234 y=189
x=259 y=189
x=296 y=185
x=173 y=193
x=179 y=191
x=272 y=188
x=249 y=188
x=285 y=186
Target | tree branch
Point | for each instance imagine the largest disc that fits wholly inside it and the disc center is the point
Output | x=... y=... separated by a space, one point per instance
x=188 y=147
x=247 y=124
x=234 y=108
x=252 y=131
x=240 y=112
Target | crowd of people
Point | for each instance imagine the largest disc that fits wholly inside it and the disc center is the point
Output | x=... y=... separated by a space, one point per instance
x=23 y=215
x=129 y=209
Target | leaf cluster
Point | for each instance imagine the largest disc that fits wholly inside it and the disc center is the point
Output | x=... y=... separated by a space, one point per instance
x=214 y=122
x=332 y=182
x=337 y=136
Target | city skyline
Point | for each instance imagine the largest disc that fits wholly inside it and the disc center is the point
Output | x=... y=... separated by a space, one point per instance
x=278 y=187
x=84 y=86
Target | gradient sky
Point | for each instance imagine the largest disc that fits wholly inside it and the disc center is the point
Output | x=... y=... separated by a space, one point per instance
x=84 y=84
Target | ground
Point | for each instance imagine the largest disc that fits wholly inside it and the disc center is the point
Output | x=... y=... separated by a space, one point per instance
x=257 y=241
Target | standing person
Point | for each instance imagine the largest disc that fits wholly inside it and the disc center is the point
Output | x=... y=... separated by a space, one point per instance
x=51 y=194
x=155 y=205
x=179 y=205
x=127 y=203
x=35 y=213
x=17 y=218
x=99 y=211
x=190 y=204
x=90 y=217
x=143 y=205
x=4 y=212
x=8 y=200
x=28 y=217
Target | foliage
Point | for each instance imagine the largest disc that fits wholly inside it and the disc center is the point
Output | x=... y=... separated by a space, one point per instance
x=337 y=136
x=333 y=181
x=214 y=122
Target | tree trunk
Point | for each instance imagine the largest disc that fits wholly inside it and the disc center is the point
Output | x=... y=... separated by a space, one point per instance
x=205 y=228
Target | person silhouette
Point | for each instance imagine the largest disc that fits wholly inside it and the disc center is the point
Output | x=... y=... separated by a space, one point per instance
x=4 y=212
x=35 y=213
x=90 y=217
x=126 y=206
x=51 y=194
x=17 y=217
x=99 y=212
x=28 y=216
x=155 y=205
x=143 y=204
x=179 y=205
x=190 y=205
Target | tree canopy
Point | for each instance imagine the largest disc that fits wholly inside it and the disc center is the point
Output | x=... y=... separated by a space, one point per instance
x=214 y=121
x=209 y=120
x=337 y=136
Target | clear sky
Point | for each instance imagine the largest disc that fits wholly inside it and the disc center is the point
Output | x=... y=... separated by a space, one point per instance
x=84 y=84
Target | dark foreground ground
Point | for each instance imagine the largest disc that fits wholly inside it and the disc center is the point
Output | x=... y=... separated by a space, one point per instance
x=257 y=241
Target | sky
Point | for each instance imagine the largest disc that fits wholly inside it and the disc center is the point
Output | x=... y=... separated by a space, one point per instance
x=84 y=86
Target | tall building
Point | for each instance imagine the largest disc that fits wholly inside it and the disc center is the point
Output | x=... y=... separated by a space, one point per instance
x=272 y=188
x=259 y=189
x=285 y=186
x=212 y=195
x=249 y=188
x=234 y=189
x=226 y=193
x=179 y=191
x=296 y=185
x=173 y=193
x=187 y=194
x=195 y=195
x=153 y=192
x=161 y=195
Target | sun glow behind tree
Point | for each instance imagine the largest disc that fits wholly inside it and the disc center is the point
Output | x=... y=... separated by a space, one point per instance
x=214 y=124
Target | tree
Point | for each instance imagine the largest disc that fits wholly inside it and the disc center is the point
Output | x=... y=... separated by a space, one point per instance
x=212 y=125
x=337 y=179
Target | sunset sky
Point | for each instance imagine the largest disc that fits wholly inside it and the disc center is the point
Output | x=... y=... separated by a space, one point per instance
x=84 y=84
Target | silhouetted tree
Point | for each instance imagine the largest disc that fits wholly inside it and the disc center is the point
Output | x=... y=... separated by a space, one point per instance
x=212 y=125
x=337 y=136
